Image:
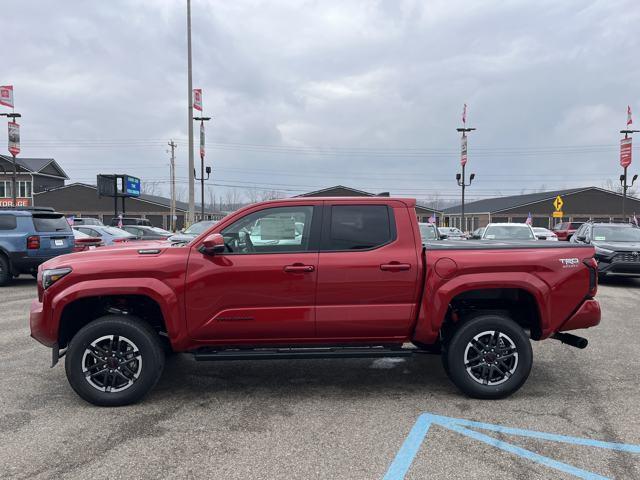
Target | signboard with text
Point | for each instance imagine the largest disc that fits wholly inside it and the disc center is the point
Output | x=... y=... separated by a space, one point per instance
x=8 y=202
x=6 y=95
x=197 y=98
x=625 y=152
x=14 y=138
x=132 y=186
x=463 y=150
x=202 y=140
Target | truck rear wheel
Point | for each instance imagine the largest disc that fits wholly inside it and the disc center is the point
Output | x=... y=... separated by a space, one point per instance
x=114 y=360
x=488 y=357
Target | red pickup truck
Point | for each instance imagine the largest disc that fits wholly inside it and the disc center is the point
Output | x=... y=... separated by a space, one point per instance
x=312 y=278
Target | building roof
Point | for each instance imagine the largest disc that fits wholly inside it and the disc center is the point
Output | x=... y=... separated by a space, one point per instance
x=155 y=199
x=499 y=204
x=342 y=191
x=39 y=165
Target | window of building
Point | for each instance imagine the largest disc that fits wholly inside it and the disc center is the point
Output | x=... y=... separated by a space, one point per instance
x=359 y=227
x=23 y=189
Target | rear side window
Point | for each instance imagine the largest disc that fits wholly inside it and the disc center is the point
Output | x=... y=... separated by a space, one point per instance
x=7 y=222
x=359 y=227
x=51 y=223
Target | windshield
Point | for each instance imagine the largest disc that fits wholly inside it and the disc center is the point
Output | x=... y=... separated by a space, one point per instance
x=616 y=234
x=428 y=232
x=160 y=231
x=509 y=232
x=198 y=228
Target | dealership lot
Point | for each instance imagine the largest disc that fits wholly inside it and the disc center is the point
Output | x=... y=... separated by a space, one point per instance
x=339 y=418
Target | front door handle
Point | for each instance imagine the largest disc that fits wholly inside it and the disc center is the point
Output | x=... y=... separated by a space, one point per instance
x=395 y=267
x=299 y=268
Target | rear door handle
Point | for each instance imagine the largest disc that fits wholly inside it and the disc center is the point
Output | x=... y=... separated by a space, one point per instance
x=299 y=268
x=395 y=267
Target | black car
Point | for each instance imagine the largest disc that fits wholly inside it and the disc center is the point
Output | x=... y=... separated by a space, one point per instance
x=617 y=247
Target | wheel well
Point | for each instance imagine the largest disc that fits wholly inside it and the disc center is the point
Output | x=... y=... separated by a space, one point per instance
x=516 y=303
x=84 y=310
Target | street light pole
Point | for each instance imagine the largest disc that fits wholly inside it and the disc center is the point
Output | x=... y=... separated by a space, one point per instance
x=192 y=207
x=202 y=168
x=13 y=116
x=623 y=177
x=461 y=179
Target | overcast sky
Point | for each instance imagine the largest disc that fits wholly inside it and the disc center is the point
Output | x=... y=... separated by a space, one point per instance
x=309 y=94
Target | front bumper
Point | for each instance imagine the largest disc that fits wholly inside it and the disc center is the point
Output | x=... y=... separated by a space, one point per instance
x=37 y=323
x=588 y=315
x=619 y=264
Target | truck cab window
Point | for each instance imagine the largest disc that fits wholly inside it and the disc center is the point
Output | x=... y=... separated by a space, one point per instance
x=273 y=230
x=358 y=227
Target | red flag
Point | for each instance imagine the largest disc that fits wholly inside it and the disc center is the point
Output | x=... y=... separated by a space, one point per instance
x=629 y=120
x=197 y=98
x=6 y=95
x=464 y=114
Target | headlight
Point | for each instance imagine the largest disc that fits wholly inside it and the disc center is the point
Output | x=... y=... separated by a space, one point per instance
x=603 y=251
x=49 y=277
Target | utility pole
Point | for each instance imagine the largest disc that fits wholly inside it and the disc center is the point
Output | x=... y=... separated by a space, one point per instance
x=192 y=206
x=461 y=178
x=172 y=165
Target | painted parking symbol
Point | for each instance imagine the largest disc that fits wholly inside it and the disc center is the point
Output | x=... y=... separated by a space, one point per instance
x=409 y=449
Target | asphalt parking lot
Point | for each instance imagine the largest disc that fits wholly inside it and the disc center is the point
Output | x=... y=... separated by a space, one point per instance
x=321 y=419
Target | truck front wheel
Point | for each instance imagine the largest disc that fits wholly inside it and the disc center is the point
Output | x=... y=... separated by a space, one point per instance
x=488 y=357
x=114 y=360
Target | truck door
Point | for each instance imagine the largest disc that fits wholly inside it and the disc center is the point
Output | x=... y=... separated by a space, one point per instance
x=262 y=288
x=367 y=273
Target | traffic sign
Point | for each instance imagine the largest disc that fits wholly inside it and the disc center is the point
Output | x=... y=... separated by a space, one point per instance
x=558 y=203
x=14 y=138
x=558 y=214
x=625 y=152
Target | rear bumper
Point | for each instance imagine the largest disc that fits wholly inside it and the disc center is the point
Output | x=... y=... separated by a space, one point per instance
x=21 y=263
x=588 y=315
x=38 y=325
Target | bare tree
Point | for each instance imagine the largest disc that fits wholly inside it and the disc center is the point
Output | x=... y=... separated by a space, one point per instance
x=181 y=193
x=270 y=195
x=232 y=199
x=609 y=184
x=150 y=187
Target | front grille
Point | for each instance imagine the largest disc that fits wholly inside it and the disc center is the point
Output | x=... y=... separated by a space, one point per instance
x=630 y=257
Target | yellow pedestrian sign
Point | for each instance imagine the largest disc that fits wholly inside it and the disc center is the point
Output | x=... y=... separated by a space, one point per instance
x=558 y=203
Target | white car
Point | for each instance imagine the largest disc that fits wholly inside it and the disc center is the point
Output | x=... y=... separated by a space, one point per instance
x=508 y=231
x=544 y=234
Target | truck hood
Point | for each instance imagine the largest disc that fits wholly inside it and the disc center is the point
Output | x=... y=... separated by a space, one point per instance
x=113 y=255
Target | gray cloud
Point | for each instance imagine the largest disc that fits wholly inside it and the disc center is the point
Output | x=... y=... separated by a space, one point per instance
x=369 y=79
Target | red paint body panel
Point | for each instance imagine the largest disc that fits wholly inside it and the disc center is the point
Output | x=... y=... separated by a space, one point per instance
x=390 y=294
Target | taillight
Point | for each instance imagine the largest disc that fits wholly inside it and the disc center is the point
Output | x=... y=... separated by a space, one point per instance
x=33 y=242
x=592 y=265
x=119 y=240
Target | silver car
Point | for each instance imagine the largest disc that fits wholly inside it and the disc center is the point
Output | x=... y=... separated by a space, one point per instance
x=109 y=235
x=192 y=232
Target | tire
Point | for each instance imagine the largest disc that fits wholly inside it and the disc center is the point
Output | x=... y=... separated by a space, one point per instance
x=488 y=357
x=91 y=350
x=5 y=271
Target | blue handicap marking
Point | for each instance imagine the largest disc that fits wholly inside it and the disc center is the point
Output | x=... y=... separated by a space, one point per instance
x=404 y=458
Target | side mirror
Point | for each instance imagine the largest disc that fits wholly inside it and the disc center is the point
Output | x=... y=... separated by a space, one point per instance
x=582 y=238
x=443 y=236
x=212 y=245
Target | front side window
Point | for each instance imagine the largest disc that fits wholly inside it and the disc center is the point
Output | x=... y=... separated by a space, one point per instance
x=273 y=230
x=359 y=227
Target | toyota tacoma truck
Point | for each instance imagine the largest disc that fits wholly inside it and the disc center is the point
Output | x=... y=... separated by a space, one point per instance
x=312 y=278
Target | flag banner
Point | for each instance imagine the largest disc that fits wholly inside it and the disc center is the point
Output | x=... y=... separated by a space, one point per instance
x=201 y=140
x=463 y=150
x=6 y=95
x=629 y=119
x=464 y=114
x=197 y=98
x=529 y=220
x=14 y=138
x=432 y=218
x=625 y=152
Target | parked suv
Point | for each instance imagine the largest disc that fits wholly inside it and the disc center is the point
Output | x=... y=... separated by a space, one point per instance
x=30 y=237
x=566 y=230
x=131 y=221
x=617 y=247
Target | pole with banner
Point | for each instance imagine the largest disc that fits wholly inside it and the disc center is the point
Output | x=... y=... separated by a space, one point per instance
x=626 y=148
x=14 y=150
x=461 y=178
x=202 y=167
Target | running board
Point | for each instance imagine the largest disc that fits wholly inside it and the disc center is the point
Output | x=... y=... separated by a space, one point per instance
x=302 y=353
